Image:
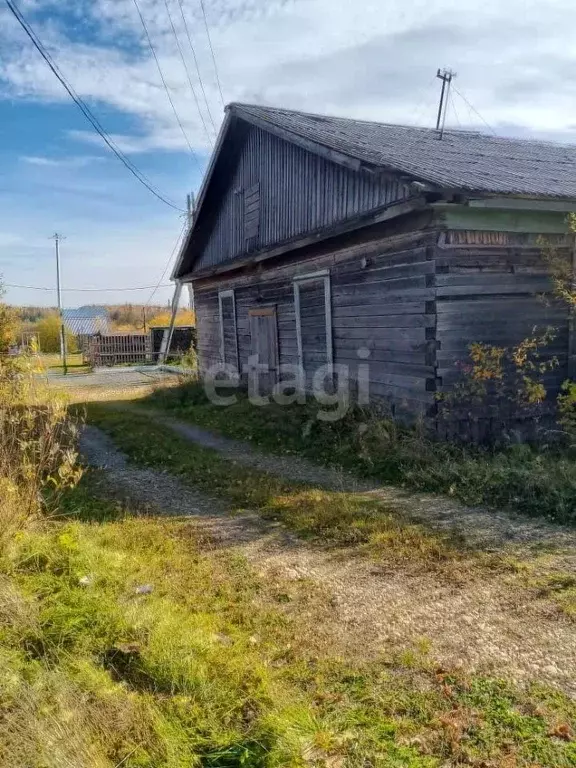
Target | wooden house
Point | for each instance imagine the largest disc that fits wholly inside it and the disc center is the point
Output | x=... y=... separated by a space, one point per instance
x=329 y=240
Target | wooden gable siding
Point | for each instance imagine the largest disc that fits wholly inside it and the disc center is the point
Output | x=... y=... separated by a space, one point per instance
x=298 y=192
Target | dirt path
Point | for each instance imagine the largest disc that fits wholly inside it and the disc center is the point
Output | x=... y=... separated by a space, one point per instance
x=484 y=622
x=485 y=529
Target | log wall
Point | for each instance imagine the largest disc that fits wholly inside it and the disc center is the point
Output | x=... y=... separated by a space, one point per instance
x=415 y=301
x=382 y=301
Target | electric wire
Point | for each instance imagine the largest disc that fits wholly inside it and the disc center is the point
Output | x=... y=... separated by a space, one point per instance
x=172 y=254
x=421 y=102
x=85 y=290
x=471 y=106
x=183 y=58
x=86 y=111
x=453 y=103
x=191 y=44
x=212 y=51
x=164 y=83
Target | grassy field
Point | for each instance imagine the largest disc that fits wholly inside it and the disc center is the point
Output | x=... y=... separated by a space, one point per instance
x=536 y=482
x=125 y=640
x=334 y=517
x=134 y=641
x=53 y=362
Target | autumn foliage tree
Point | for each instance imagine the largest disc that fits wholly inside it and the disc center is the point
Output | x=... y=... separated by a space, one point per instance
x=183 y=317
x=48 y=334
x=8 y=326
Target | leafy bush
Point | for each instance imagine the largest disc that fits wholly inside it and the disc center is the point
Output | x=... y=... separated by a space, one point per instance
x=505 y=383
x=567 y=410
x=48 y=335
x=190 y=360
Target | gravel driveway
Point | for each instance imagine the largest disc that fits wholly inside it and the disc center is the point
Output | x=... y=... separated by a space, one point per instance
x=487 y=529
x=485 y=622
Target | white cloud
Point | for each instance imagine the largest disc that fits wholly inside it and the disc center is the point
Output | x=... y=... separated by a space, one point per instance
x=81 y=161
x=516 y=62
x=372 y=59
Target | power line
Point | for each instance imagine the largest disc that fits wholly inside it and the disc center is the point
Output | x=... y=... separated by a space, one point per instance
x=191 y=44
x=86 y=111
x=153 y=50
x=471 y=106
x=453 y=103
x=421 y=102
x=85 y=290
x=181 y=52
x=176 y=244
x=212 y=51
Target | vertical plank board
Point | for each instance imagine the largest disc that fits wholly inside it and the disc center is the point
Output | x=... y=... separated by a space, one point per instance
x=572 y=320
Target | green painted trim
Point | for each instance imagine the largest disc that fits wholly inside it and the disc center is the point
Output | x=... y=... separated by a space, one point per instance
x=523 y=203
x=454 y=216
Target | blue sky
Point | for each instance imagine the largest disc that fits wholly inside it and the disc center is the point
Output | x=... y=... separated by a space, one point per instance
x=516 y=64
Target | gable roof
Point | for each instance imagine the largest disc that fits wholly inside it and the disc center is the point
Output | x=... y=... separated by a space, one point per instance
x=87 y=320
x=466 y=160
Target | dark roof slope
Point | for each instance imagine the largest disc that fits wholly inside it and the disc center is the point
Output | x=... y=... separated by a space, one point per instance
x=462 y=159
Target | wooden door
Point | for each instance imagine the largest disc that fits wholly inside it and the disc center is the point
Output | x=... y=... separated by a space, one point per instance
x=264 y=344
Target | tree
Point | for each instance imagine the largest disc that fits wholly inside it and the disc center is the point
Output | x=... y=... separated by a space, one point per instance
x=48 y=333
x=183 y=317
x=8 y=326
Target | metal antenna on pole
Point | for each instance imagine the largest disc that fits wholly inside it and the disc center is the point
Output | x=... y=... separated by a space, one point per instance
x=57 y=238
x=446 y=76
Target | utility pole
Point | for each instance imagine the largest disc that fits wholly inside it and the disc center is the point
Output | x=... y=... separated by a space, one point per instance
x=446 y=76
x=167 y=340
x=190 y=209
x=57 y=238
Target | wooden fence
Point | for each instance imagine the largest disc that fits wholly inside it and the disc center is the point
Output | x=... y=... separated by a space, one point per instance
x=119 y=349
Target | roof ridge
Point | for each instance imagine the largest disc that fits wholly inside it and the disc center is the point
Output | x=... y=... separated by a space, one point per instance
x=520 y=140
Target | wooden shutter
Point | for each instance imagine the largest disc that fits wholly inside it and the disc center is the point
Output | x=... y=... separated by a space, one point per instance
x=312 y=301
x=228 y=333
x=251 y=214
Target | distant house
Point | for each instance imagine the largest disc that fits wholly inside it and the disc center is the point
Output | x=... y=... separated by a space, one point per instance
x=85 y=322
x=316 y=239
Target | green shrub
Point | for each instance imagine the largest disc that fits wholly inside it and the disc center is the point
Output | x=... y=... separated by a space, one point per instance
x=567 y=410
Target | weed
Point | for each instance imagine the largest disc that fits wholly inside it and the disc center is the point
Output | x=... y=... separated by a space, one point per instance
x=536 y=482
x=337 y=518
x=97 y=674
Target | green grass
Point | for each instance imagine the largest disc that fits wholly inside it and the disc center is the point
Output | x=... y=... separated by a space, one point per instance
x=334 y=518
x=540 y=483
x=219 y=667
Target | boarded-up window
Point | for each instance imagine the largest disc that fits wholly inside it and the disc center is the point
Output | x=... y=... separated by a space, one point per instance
x=313 y=321
x=251 y=214
x=228 y=335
